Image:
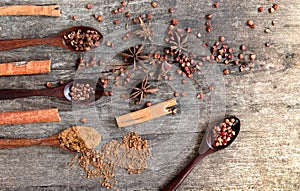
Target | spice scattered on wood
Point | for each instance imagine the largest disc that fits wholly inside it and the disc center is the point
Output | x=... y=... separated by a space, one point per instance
x=154 y=4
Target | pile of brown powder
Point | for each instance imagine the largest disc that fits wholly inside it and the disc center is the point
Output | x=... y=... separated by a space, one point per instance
x=79 y=138
x=130 y=154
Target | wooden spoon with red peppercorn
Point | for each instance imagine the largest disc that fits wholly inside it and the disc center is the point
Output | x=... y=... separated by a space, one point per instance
x=68 y=91
x=216 y=138
x=78 y=38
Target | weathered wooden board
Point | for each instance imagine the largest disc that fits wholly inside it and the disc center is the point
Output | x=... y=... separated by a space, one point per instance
x=266 y=154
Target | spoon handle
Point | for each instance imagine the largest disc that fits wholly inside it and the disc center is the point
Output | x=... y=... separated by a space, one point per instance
x=177 y=181
x=22 y=93
x=14 y=143
x=20 y=43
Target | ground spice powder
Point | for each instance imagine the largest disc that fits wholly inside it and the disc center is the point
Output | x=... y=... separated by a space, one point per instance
x=131 y=154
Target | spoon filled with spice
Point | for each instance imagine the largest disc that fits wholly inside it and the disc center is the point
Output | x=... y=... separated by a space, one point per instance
x=78 y=38
x=73 y=139
x=215 y=139
x=80 y=91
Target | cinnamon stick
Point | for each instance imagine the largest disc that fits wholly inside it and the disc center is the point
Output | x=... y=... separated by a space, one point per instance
x=21 y=68
x=44 y=10
x=146 y=114
x=30 y=116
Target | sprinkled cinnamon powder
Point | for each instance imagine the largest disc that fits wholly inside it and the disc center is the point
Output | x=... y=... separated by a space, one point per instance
x=130 y=154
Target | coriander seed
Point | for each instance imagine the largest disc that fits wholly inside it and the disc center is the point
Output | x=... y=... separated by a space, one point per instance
x=260 y=9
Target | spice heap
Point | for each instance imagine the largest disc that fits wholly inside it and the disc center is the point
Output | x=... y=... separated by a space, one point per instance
x=83 y=40
x=130 y=154
x=223 y=133
x=81 y=92
x=79 y=138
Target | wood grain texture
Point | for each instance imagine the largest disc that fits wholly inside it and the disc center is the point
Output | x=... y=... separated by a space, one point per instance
x=265 y=97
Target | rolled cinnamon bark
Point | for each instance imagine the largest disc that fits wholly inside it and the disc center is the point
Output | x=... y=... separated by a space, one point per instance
x=45 y=10
x=21 y=68
x=31 y=116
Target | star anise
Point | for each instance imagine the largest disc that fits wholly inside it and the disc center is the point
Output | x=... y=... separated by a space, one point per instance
x=142 y=89
x=179 y=44
x=145 y=32
x=135 y=54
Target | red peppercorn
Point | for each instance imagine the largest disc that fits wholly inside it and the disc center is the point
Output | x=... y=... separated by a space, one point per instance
x=221 y=38
x=260 y=9
x=171 y=10
x=216 y=4
x=89 y=6
x=116 y=22
x=226 y=71
x=174 y=22
x=275 y=6
x=243 y=47
x=209 y=16
x=154 y=4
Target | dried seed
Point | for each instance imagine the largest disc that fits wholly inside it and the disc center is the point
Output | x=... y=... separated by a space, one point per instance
x=250 y=22
x=48 y=84
x=116 y=22
x=174 y=22
x=198 y=35
x=183 y=94
x=74 y=17
x=267 y=30
x=226 y=71
x=267 y=44
x=260 y=9
x=240 y=56
x=243 y=47
x=273 y=23
x=200 y=96
x=100 y=18
x=154 y=4
x=252 y=56
x=271 y=10
x=221 y=38
x=216 y=4
x=110 y=93
x=176 y=94
x=89 y=6
x=171 y=10
x=209 y=16
x=275 y=6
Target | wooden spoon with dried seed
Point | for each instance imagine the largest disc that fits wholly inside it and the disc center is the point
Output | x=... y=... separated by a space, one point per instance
x=59 y=40
x=73 y=139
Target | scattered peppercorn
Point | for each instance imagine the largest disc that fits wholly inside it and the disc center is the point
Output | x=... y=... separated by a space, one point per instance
x=174 y=22
x=74 y=17
x=171 y=10
x=154 y=4
x=267 y=44
x=200 y=96
x=252 y=56
x=116 y=22
x=148 y=104
x=89 y=6
x=221 y=38
x=48 y=84
x=209 y=16
x=216 y=4
x=273 y=23
x=271 y=10
x=188 y=30
x=226 y=71
x=267 y=30
x=260 y=9
x=275 y=6
x=243 y=47
x=100 y=18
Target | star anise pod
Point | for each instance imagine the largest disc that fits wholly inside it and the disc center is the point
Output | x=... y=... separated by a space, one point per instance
x=135 y=54
x=179 y=44
x=142 y=89
x=145 y=32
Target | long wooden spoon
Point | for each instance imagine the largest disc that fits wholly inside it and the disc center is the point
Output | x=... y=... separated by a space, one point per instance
x=55 y=40
x=78 y=134
x=209 y=145
x=61 y=91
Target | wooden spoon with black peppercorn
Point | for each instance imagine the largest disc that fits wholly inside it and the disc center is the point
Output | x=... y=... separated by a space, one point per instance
x=78 y=38
x=78 y=91
x=216 y=138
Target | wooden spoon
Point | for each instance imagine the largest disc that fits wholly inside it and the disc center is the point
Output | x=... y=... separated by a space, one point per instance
x=61 y=91
x=206 y=148
x=90 y=137
x=55 y=40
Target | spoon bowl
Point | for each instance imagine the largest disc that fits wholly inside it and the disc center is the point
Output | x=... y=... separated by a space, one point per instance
x=208 y=146
x=60 y=39
x=61 y=91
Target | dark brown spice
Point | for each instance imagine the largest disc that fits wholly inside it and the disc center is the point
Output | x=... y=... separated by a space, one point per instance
x=188 y=29
x=89 y=6
x=100 y=18
x=267 y=44
x=154 y=4
x=176 y=94
x=128 y=15
x=252 y=56
x=275 y=6
x=74 y=17
x=226 y=71
x=271 y=10
x=273 y=23
x=200 y=96
x=171 y=10
x=243 y=47
x=216 y=4
x=174 y=22
x=260 y=9
x=116 y=22
x=148 y=104
x=240 y=56
x=48 y=84
x=221 y=38
x=209 y=16
x=149 y=16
